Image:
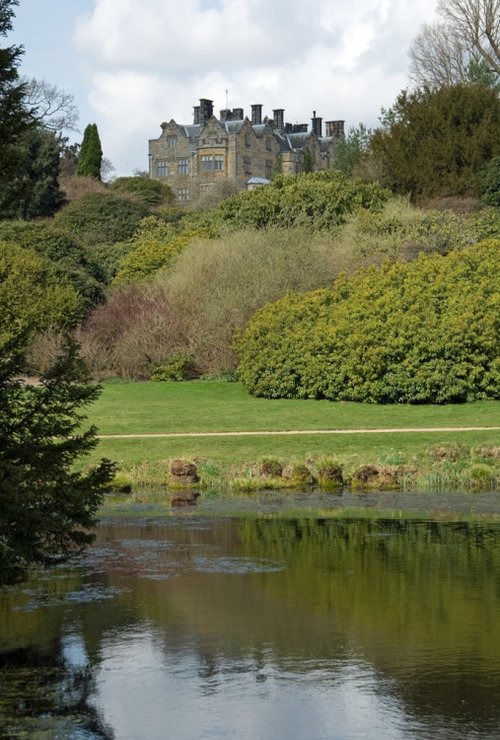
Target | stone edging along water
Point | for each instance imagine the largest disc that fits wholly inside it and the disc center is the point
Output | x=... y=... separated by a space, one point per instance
x=397 y=430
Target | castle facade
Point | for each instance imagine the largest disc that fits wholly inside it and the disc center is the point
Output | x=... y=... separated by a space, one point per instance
x=192 y=158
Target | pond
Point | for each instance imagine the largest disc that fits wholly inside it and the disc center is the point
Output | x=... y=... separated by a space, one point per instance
x=259 y=624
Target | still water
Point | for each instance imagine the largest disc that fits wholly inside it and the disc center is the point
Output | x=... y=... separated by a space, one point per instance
x=262 y=627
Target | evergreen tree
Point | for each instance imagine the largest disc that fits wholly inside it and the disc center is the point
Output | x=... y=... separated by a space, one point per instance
x=90 y=160
x=15 y=119
x=46 y=508
x=434 y=143
x=33 y=189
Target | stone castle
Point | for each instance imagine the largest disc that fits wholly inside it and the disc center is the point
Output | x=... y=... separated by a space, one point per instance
x=192 y=158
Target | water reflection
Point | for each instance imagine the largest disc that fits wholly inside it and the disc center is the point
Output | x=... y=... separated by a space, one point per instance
x=260 y=627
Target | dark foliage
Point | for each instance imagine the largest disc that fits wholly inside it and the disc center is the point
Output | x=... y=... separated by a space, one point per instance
x=436 y=142
x=15 y=120
x=90 y=158
x=71 y=262
x=100 y=218
x=149 y=192
x=33 y=190
x=46 y=508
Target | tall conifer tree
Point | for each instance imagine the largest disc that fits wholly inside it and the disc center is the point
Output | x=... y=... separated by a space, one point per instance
x=15 y=119
x=90 y=160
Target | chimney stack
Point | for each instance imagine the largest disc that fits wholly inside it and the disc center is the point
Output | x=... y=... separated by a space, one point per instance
x=279 y=117
x=256 y=114
x=317 y=125
x=335 y=129
x=206 y=110
x=238 y=114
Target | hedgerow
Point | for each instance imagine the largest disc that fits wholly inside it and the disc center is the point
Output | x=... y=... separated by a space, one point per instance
x=426 y=331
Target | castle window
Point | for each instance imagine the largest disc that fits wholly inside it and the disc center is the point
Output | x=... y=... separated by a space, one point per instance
x=268 y=143
x=269 y=169
x=183 y=194
x=247 y=139
x=183 y=166
x=212 y=162
x=247 y=165
x=171 y=140
x=161 y=168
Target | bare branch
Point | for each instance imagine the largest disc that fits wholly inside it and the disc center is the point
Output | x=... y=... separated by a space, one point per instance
x=477 y=24
x=54 y=109
x=438 y=57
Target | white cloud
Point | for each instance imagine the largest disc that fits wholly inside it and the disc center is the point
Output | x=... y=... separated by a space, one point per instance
x=151 y=60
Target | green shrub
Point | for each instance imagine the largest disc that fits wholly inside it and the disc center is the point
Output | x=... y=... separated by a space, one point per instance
x=32 y=296
x=155 y=246
x=319 y=200
x=426 y=331
x=70 y=261
x=101 y=218
x=490 y=183
x=146 y=191
x=179 y=367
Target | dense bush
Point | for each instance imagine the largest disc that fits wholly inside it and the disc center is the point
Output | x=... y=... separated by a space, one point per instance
x=436 y=142
x=426 y=331
x=32 y=296
x=149 y=192
x=101 y=218
x=490 y=183
x=70 y=261
x=319 y=200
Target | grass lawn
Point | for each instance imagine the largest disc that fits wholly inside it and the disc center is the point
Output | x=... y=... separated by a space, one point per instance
x=202 y=406
x=141 y=408
x=355 y=448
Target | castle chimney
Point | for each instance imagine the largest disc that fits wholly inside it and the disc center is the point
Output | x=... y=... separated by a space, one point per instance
x=196 y=116
x=335 y=129
x=317 y=125
x=279 y=117
x=206 y=110
x=238 y=114
x=256 y=114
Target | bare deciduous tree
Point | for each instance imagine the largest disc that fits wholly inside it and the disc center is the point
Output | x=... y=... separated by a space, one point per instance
x=464 y=47
x=477 y=23
x=53 y=108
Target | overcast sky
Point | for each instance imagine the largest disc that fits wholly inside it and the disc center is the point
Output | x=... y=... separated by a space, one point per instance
x=132 y=64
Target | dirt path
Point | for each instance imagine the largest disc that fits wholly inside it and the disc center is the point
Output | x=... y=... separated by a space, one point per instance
x=397 y=430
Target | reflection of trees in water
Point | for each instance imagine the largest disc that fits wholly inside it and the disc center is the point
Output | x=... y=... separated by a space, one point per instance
x=419 y=600
x=49 y=693
x=414 y=603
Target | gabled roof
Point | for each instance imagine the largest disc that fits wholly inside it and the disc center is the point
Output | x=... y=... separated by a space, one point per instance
x=193 y=131
x=232 y=127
